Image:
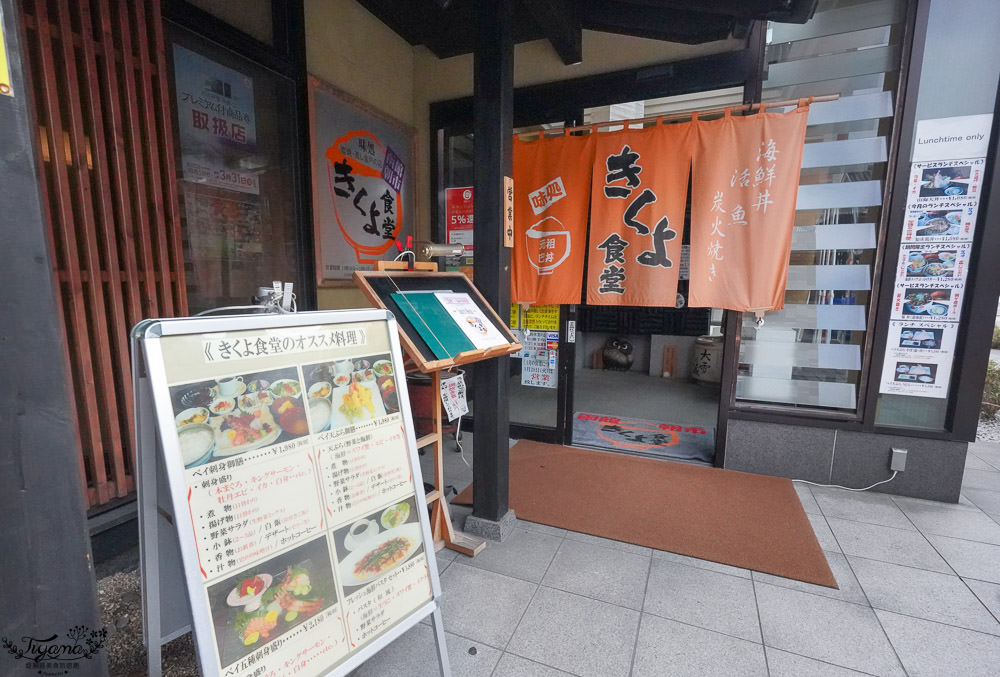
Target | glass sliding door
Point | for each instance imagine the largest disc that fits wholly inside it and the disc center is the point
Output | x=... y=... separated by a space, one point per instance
x=534 y=387
x=810 y=355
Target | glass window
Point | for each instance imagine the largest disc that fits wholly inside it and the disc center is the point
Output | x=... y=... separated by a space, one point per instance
x=237 y=167
x=809 y=354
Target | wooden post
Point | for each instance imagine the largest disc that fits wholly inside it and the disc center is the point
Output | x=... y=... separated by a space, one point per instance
x=493 y=67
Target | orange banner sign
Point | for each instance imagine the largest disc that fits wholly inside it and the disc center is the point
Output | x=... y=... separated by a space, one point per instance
x=551 y=196
x=745 y=180
x=638 y=197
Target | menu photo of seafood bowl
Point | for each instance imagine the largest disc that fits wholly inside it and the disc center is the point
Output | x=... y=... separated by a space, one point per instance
x=926 y=302
x=939 y=223
x=921 y=373
x=263 y=602
x=377 y=544
x=350 y=390
x=950 y=181
x=234 y=414
x=938 y=263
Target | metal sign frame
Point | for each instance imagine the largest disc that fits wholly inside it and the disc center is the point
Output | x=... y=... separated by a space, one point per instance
x=168 y=551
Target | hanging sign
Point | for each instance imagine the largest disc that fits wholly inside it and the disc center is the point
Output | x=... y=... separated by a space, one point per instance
x=551 y=198
x=216 y=123
x=297 y=498
x=744 y=186
x=453 y=396
x=638 y=198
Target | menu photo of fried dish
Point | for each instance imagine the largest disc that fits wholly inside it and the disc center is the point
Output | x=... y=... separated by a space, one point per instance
x=374 y=546
x=261 y=603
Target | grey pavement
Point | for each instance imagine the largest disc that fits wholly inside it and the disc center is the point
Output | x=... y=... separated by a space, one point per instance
x=919 y=595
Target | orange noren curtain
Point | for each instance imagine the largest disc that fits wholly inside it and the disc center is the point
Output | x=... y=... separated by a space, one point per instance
x=638 y=197
x=745 y=178
x=551 y=197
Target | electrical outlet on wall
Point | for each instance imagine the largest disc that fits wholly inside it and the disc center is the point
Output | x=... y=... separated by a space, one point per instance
x=898 y=461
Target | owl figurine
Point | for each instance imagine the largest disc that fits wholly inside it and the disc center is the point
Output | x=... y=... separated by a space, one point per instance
x=617 y=354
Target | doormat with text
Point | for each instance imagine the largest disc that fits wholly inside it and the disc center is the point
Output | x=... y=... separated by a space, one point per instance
x=642 y=437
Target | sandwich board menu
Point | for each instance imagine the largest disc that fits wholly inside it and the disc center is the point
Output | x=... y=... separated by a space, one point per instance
x=288 y=450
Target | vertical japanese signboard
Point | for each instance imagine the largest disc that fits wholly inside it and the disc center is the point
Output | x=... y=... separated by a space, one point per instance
x=744 y=180
x=942 y=204
x=636 y=216
x=215 y=119
x=291 y=463
x=363 y=183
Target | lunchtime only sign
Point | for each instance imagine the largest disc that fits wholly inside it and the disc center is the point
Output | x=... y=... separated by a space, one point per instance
x=298 y=501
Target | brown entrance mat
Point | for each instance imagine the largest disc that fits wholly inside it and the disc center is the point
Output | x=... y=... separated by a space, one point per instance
x=750 y=521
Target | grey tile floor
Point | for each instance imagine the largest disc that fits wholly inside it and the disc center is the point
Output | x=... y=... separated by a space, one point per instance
x=919 y=595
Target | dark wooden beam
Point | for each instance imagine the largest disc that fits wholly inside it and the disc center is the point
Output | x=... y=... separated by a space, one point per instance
x=560 y=22
x=627 y=18
x=493 y=100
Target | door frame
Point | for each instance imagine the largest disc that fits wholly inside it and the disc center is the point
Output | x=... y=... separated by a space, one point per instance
x=564 y=102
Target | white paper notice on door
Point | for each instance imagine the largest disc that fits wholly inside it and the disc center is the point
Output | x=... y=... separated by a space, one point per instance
x=472 y=320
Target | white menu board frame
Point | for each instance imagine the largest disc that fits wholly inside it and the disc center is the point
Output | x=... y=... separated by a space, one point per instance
x=305 y=598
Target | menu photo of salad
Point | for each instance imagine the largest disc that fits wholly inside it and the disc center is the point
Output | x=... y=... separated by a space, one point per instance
x=267 y=600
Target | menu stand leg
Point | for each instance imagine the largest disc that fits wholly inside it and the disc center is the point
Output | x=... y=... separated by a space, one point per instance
x=438 y=624
x=441 y=517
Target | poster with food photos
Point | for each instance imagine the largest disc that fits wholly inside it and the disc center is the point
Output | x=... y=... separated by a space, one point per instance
x=933 y=262
x=918 y=358
x=929 y=301
x=937 y=238
x=939 y=183
x=291 y=462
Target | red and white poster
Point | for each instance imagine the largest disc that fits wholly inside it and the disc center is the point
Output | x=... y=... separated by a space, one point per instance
x=551 y=199
x=745 y=181
x=458 y=221
x=638 y=196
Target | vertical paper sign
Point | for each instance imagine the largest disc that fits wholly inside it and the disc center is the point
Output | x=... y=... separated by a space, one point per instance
x=215 y=118
x=508 y=212
x=744 y=186
x=289 y=465
x=458 y=218
x=551 y=198
x=637 y=214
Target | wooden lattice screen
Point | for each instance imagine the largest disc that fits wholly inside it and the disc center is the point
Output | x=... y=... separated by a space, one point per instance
x=102 y=105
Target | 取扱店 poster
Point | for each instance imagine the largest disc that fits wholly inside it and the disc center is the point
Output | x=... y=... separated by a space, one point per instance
x=363 y=183
x=215 y=118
